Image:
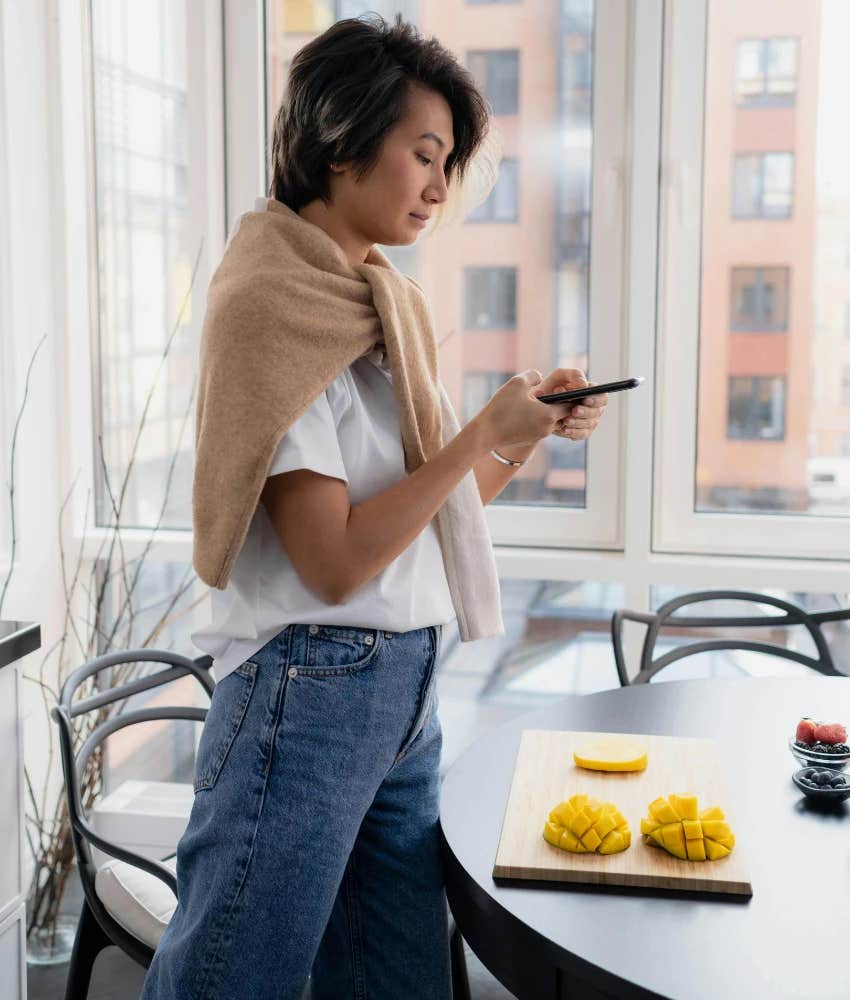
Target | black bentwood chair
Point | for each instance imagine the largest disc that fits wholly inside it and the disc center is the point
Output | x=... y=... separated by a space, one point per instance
x=665 y=618
x=128 y=901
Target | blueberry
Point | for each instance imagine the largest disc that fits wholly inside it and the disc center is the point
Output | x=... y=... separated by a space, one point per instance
x=837 y=782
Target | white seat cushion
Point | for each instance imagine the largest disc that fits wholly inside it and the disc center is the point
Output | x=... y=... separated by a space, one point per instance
x=140 y=902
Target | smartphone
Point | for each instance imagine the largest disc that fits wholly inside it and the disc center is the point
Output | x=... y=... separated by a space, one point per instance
x=592 y=390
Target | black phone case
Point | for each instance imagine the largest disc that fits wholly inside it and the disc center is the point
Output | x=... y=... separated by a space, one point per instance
x=591 y=390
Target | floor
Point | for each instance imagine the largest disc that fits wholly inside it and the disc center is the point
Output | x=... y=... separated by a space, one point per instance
x=117 y=977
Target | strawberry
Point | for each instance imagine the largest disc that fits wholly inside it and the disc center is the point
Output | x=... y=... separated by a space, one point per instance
x=806 y=731
x=831 y=732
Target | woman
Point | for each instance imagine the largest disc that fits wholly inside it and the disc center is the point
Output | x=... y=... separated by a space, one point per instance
x=312 y=843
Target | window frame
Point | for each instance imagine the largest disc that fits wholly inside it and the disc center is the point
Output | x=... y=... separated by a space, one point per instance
x=760 y=285
x=753 y=399
x=677 y=526
x=759 y=212
x=491 y=272
x=490 y=219
x=517 y=96
x=764 y=98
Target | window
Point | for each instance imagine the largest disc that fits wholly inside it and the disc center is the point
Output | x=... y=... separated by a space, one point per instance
x=503 y=203
x=489 y=298
x=763 y=186
x=766 y=71
x=759 y=298
x=478 y=387
x=149 y=234
x=497 y=73
x=756 y=408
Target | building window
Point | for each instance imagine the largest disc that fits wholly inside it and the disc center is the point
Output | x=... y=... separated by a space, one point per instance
x=478 y=387
x=766 y=71
x=489 y=298
x=497 y=73
x=759 y=298
x=756 y=408
x=502 y=204
x=763 y=186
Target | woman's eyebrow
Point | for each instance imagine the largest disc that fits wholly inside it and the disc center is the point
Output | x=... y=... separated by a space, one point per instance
x=435 y=137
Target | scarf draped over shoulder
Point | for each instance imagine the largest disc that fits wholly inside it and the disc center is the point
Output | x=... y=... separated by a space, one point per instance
x=286 y=314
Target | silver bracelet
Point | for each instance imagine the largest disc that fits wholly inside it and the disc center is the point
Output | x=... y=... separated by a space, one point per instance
x=507 y=461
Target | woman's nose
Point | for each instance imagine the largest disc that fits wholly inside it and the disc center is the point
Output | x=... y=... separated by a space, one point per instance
x=437 y=192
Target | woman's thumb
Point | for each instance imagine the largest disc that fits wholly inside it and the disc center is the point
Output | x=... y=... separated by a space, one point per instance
x=532 y=376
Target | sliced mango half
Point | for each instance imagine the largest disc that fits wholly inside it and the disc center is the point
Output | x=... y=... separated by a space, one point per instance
x=678 y=826
x=610 y=753
x=585 y=825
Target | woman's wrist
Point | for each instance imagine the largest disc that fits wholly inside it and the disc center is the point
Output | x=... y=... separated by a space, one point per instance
x=516 y=452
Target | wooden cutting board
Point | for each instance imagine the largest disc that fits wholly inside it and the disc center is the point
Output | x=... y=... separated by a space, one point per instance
x=545 y=774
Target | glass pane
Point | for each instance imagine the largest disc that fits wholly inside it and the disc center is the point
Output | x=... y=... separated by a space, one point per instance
x=782 y=66
x=772 y=409
x=778 y=174
x=557 y=642
x=513 y=295
x=502 y=203
x=746 y=189
x=147 y=249
x=749 y=69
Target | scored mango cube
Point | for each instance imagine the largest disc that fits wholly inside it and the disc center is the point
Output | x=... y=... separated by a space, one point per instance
x=677 y=825
x=685 y=806
x=585 y=826
x=692 y=828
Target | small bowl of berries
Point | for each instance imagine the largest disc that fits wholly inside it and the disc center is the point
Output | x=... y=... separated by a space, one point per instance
x=820 y=744
x=822 y=784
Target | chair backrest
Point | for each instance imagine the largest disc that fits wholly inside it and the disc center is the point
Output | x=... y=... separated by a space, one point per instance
x=73 y=766
x=666 y=617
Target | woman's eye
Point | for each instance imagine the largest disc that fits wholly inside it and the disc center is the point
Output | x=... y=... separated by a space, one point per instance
x=424 y=159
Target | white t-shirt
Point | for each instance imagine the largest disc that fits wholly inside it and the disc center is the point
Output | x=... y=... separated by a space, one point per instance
x=351 y=432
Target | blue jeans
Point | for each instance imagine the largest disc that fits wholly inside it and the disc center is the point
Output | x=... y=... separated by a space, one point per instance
x=312 y=841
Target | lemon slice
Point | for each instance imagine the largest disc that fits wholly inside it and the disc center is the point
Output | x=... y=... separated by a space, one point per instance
x=608 y=753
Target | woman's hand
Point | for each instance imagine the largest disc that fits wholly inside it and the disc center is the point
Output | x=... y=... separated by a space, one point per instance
x=584 y=414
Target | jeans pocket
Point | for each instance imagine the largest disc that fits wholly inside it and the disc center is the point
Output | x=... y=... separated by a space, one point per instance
x=224 y=718
x=339 y=649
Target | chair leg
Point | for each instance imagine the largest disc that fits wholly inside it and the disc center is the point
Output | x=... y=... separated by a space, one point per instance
x=89 y=941
x=460 y=978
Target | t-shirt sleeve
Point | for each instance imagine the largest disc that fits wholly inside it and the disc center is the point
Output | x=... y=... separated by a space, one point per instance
x=312 y=442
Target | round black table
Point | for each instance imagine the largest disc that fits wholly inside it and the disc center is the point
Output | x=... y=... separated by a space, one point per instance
x=548 y=940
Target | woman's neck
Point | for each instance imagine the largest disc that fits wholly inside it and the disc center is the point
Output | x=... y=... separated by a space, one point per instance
x=355 y=248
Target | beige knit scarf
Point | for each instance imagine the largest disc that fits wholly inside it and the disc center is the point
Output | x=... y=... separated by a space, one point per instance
x=286 y=313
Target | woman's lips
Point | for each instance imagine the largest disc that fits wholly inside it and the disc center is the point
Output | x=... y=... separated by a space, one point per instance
x=418 y=220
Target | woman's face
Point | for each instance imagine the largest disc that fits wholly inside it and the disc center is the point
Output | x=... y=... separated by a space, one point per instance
x=407 y=180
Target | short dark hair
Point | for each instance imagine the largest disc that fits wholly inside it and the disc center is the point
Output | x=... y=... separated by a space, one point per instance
x=347 y=88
